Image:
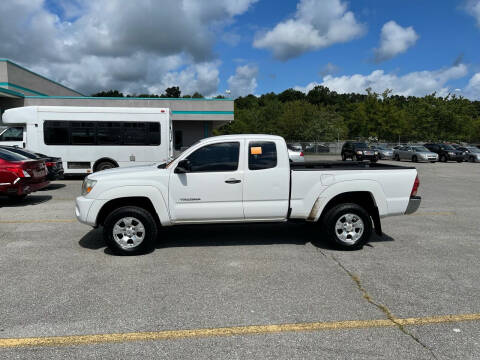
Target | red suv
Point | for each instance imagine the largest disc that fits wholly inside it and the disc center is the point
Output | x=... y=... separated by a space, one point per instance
x=19 y=176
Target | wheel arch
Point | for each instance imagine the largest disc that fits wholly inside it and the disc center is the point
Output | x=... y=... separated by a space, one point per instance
x=138 y=201
x=104 y=159
x=364 y=199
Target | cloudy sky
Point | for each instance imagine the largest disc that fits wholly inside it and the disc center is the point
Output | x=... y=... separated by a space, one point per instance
x=248 y=46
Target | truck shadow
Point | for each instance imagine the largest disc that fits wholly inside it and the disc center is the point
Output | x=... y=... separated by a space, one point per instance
x=7 y=202
x=232 y=235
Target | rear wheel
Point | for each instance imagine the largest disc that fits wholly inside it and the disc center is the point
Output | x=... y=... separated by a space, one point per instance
x=104 y=165
x=130 y=230
x=348 y=226
x=471 y=159
x=397 y=157
x=443 y=158
x=414 y=158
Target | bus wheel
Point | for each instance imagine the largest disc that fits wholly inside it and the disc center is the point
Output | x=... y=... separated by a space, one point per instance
x=104 y=165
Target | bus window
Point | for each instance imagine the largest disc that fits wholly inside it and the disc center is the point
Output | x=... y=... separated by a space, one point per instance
x=12 y=134
x=109 y=133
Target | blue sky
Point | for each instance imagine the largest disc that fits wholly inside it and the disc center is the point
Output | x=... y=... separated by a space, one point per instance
x=248 y=46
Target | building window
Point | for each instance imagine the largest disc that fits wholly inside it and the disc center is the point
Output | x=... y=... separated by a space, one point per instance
x=178 y=141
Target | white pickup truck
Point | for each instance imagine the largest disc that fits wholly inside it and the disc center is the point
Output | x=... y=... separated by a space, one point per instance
x=244 y=178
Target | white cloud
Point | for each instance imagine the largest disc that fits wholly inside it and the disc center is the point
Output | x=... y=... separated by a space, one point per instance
x=472 y=90
x=329 y=69
x=128 y=45
x=473 y=8
x=244 y=81
x=394 y=40
x=316 y=24
x=417 y=83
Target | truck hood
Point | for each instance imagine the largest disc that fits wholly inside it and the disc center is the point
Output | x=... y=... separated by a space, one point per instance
x=122 y=171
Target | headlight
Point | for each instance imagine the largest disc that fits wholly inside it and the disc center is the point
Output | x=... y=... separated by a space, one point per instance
x=451 y=153
x=359 y=152
x=376 y=152
x=88 y=185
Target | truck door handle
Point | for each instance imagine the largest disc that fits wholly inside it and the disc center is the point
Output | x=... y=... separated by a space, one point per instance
x=232 y=181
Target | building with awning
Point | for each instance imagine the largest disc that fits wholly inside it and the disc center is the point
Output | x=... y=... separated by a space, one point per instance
x=193 y=119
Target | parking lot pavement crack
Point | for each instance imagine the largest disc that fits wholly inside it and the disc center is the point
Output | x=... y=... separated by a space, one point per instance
x=384 y=309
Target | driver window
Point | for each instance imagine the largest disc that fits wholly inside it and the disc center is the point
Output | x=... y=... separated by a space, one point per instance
x=215 y=157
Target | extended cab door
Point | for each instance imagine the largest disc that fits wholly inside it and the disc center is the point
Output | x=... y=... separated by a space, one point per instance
x=211 y=189
x=267 y=180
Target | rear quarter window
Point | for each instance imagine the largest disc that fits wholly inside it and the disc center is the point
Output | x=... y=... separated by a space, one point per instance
x=262 y=155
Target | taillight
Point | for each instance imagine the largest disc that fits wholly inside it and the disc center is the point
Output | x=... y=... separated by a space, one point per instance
x=18 y=171
x=301 y=153
x=50 y=164
x=416 y=184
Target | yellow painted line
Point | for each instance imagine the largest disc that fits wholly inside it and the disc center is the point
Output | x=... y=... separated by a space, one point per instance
x=227 y=331
x=37 y=221
x=426 y=213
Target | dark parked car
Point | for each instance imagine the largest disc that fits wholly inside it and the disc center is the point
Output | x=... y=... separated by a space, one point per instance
x=358 y=151
x=446 y=152
x=471 y=153
x=19 y=175
x=54 y=164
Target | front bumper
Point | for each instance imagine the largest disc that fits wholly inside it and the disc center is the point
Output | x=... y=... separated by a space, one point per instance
x=82 y=210
x=413 y=204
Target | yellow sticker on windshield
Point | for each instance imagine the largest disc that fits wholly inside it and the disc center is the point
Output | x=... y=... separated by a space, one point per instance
x=256 y=150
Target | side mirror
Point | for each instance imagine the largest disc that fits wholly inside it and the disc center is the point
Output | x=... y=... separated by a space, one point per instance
x=183 y=167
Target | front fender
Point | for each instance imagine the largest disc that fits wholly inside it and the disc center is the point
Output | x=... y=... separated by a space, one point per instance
x=153 y=193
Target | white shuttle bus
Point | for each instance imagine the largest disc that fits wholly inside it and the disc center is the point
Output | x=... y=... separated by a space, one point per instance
x=90 y=139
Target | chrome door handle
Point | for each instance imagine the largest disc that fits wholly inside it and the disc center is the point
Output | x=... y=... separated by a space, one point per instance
x=232 y=181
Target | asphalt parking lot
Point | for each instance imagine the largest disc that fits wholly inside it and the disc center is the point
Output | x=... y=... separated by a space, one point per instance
x=245 y=291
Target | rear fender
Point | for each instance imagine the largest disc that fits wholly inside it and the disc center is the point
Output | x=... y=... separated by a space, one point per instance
x=346 y=187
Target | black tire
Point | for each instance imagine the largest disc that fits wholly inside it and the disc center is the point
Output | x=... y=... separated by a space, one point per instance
x=335 y=214
x=359 y=158
x=104 y=165
x=17 y=197
x=471 y=159
x=144 y=217
x=374 y=160
x=414 y=158
x=459 y=161
x=397 y=157
x=344 y=157
x=443 y=158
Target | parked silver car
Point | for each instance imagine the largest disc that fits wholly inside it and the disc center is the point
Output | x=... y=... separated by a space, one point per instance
x=295 y=155
x=414 y=153
x=383 y=152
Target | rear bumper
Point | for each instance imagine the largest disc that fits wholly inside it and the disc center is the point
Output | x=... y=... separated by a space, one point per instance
x=24 y=188
x=413 y=204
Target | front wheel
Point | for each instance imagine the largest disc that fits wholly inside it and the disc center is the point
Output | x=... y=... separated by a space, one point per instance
x=130 y=230
x=348 y=226
x=414 y=158
x=443 y=158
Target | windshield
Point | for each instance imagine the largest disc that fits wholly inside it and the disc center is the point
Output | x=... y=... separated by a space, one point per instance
x=446 y=147
x=11 y=156
x=420 y=148
x=360 y=145
x=12 y=134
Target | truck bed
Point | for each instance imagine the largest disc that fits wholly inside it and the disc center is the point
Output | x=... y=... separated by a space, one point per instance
x=343 y=165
